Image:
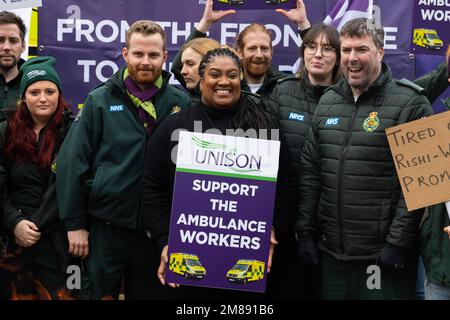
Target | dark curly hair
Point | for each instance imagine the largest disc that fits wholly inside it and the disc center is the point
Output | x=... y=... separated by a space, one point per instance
x=218 y=52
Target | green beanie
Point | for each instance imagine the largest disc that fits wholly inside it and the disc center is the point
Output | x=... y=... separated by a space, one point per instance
x=38 y=69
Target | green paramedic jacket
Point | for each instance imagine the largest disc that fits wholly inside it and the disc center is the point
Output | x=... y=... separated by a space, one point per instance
x=100 y=162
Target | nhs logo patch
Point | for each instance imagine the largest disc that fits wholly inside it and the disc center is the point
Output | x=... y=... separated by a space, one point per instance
x=332 y=121
x=116 y=108
x=296 y=116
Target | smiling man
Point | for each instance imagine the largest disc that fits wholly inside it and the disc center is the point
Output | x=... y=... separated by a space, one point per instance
x=350 y=196
x=12 y=44
x=100 y=165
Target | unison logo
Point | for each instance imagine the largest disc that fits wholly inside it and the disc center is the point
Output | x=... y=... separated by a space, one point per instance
x=210 y=153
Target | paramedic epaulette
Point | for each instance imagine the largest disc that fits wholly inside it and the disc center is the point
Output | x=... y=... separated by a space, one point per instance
x=289 y=78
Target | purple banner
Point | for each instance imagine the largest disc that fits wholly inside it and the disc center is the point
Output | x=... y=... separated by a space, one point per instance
x=220 y=239
x=431 y=32
x=352 y=8
x=253 y=4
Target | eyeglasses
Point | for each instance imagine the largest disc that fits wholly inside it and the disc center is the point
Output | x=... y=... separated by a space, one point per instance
x=326 y=50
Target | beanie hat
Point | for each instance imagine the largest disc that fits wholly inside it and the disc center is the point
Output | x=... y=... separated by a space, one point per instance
x=38 y=69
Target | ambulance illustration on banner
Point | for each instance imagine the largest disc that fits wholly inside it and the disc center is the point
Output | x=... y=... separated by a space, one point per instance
x=246 y=270
x=427 y=38
x=186 y=265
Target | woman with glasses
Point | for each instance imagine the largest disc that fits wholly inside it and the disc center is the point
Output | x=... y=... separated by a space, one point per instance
x=295 y=99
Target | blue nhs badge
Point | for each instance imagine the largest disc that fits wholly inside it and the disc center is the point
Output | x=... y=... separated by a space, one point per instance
x=296 y=117
x=332 y=122
x=116 y=108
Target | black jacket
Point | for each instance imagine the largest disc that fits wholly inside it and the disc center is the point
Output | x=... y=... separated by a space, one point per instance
x=349 y=189
x=9 y=93
x=159 y=172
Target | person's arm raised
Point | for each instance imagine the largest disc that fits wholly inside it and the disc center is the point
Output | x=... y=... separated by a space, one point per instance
x=211 y=16
x=297 y=15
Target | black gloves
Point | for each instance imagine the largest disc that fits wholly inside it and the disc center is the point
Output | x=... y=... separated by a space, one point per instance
x=392 y=257
x=307 y=252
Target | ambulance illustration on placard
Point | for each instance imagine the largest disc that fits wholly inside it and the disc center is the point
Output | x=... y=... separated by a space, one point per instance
x=246 y=270
x=187 y=265
x=427 y=38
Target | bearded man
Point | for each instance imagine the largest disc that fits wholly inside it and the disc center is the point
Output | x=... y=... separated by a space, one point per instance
x=100 y=164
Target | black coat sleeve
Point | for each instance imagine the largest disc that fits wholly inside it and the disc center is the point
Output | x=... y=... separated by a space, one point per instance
x=286 y=195
x=309 y=184
x=434 y=82
x=176 y=63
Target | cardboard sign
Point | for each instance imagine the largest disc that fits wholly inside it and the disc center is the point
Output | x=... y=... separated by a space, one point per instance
x=222 y=211
x=253 y=4
x=421 y=153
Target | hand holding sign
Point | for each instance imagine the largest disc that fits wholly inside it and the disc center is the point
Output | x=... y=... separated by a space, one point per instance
x=447 y=230
x=222 y=212
x=162 y=268
x=297 y=15
x=273 y=242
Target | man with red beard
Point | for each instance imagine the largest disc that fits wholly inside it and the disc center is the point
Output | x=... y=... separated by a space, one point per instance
x=100 y=165
x=12 y=44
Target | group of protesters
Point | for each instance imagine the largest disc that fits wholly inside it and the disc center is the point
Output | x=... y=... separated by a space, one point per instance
x=95 y=189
